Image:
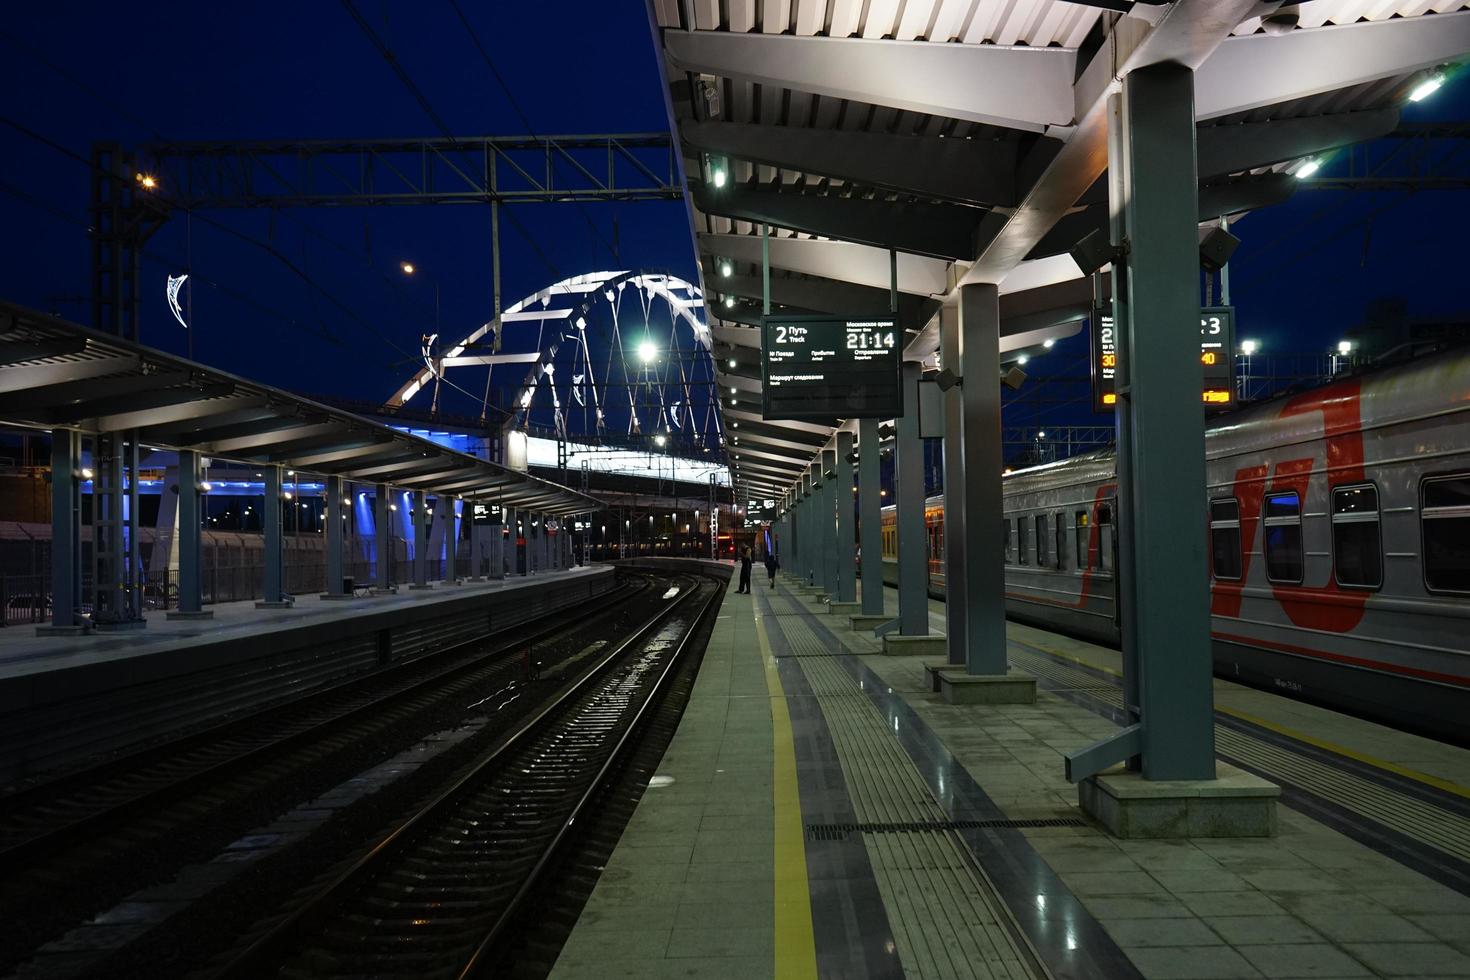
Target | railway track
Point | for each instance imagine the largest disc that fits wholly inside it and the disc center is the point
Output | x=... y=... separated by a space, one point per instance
x=74 y=846
x=439 y=894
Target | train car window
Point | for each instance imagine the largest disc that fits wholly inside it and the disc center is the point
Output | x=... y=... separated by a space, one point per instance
x=1086 y=556
x=1105 y=539
x=1059 y=528
x=1040 y=540
x=1444 y=513
x=1284 y=537
x=1021 y=541
x=1357 y=548
x=1010 y=540
x=1225 y=538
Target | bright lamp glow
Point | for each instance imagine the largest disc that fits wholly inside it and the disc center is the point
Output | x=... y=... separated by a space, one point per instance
x=720 y=178
x=407 y=268
x=1344 y=347
x=726 y=269
x=1048 y=343
x=1022 y=359
x=647 y=352
x=732 y=362
x=729 y=301
x=1426 y=88
x=1307 y=169
x=1249 y=347
x=659 y=439
x=1041 y=434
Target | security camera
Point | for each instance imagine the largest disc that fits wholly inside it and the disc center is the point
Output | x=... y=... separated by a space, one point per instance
x=1013 y=379
x=947 y=379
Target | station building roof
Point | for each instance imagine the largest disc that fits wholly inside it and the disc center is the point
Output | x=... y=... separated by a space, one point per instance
x=59 y=375
x=970 y=137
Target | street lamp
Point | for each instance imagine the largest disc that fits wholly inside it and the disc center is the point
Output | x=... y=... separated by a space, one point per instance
x=647 y=351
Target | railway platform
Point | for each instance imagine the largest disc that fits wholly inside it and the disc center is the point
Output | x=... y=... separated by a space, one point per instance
x=821 y=812
x=63 y=697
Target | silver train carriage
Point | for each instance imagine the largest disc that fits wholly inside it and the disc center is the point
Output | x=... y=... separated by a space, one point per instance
x=1338 y=528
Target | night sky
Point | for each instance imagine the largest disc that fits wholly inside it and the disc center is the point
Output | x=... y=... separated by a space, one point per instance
x=186 y=71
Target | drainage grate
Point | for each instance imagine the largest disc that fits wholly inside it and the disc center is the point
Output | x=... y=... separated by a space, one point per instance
x=841 y=831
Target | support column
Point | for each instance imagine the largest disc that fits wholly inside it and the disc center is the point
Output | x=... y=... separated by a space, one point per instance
x=870 y=520
x=956 y=554
x=846 y=539
x=829 y=523
x=66 y=534
x=1161 y=475
x=975 y=549
x=420 y=518
x=383 y=521
x=191 y=550
x=333 y=544
x=812 y=550
x=913 y=558
x=444 y=511
x=1171 y=596
x=273 y=594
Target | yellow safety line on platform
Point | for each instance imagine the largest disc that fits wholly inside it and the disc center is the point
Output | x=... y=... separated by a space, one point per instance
x=796 y=947
x=1321 y=743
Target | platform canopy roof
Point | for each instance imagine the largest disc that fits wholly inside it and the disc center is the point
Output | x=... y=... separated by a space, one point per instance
x=970 y=136
x=58 y=375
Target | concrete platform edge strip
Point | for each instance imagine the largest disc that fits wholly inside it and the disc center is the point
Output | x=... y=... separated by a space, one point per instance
x=1006 y=857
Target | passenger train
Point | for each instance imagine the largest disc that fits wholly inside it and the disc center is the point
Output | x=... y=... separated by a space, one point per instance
x=1338 y=523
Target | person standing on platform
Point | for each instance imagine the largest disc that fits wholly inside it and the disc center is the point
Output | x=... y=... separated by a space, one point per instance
x=745 y=563
x=772 y=564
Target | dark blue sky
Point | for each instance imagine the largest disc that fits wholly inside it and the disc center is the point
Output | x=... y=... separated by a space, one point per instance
x=195 y=71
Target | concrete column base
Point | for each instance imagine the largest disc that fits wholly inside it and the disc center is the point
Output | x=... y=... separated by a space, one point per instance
x=931 y=673
x=181 y=614
x=1234 y=804
x=420 y=588
x=128 y=627
x=1012 y=687
x=863 y=623
x=895 y=645
x=390 y=590
x=275 y=604
x=843 y=608
x=332 y=596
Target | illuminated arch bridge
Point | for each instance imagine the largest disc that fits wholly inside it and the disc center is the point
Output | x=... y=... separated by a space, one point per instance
x=601 y=359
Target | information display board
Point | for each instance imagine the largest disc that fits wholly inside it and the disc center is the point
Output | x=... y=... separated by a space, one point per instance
x=826 y=367
x=1217 y=357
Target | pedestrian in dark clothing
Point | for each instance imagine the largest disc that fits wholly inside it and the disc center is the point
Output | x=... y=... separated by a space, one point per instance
x=745 y=562
x=772 y=563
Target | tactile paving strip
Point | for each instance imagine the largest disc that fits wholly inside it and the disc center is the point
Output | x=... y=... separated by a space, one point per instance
x=945 y=915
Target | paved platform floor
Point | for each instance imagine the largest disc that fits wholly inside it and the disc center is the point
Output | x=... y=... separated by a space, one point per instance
x=22 y=652
x=821 y=813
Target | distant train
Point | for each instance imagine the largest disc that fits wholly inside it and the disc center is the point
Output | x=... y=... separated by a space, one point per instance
x=1339 y=540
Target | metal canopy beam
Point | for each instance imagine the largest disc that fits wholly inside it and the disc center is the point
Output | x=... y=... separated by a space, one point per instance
x=843 y=261
x=381 y=448
x=1230 y=148
x=135 y=401
x=80 y=393
x=32 y=376
x=1258 y=70
x=1019 y=87
x=970 y=171
x=813 y=293
x=169 y=413
x=19 y=350
x=1186 y=34
x=941 y=230
x=259 y=435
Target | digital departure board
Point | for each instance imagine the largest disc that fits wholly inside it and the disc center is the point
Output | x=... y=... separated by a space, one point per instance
x=1217 y=358
x=825 y=367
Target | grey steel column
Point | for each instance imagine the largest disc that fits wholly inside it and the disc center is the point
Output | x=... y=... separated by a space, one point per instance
x=913 y=557
x=383 y=519
x=191 y=551
x=66 y=531
x=846 y=541
x=420 y=518
x=829 y=522
x=956 y=552
x=982 y=553
x=333 y=536
x=1166 y=483
x=272 y=592
x=135 y=544
x=870 y=520
x=813 y=531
